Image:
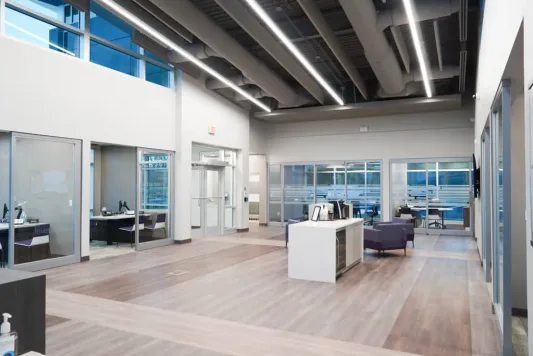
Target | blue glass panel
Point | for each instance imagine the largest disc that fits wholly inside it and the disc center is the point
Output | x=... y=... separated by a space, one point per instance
x=108 y=26
x=114 y=59
x=56 y=9
x=41 y=33
x=158 y=75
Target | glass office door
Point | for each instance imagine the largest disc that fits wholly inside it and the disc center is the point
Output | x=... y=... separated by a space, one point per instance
x=154 y=208
x=207 y=200
x=44 y=204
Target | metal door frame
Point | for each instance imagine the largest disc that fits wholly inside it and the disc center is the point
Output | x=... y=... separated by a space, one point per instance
x=138 y=183
x=203 y=168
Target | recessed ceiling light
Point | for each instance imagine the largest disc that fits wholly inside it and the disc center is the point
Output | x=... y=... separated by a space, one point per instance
x=418 y=45
x=292 y=48
x=170 y=44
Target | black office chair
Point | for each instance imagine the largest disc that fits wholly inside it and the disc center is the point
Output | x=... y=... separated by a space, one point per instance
x=356 y=208
x=370 y=215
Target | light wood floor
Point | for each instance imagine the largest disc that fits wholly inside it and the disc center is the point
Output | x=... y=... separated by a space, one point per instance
x=230 y=295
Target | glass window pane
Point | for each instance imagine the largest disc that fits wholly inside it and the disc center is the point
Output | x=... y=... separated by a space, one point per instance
x=158 y=75
x=41 y=33
x=454 y=165
x=357 y=166
x=373 y=166
x=108 y=26
x=274 y=193
x=56 y=9
x=154 y=57
x=154 y=190
x=330 y=182
x=114 y=59
x=298 y=191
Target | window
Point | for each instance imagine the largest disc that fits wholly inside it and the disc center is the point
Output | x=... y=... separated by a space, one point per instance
x=111 y=28
x=110 y=58
x=57 y=9
x=41 y=33
x=58 y=25
x=155 y=182
x=158 y=75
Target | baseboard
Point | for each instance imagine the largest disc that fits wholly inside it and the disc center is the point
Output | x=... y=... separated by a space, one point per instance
x=519 y=312
x=243 y=230
x=181 y=242
x=263 y=224
x=85 y=258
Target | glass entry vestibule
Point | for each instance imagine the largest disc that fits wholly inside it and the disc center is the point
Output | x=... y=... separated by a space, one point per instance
x=207 y=212
x=39 y=201
x=433 y=193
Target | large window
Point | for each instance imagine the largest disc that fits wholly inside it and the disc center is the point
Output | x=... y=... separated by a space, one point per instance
x=41 y=33
x=357 y=183
x=59 y=26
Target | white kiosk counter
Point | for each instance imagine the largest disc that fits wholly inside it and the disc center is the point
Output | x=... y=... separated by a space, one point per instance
x=323 y=250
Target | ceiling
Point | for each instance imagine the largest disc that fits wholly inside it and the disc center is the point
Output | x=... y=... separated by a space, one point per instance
x=293 y=21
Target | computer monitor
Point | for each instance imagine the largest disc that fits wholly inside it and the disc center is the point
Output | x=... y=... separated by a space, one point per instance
x=125 y=206
x=4 y=215
x=20 y=212
x=338 y=209
x=119 y=206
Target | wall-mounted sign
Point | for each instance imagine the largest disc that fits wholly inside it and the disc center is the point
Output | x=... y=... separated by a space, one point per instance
x=212 y=130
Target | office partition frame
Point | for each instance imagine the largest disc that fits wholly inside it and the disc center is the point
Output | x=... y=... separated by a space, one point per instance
x=426 y=229
x=486 y=203
x=171 y=205
x=314 y=164
x=76 y=207
x=503 y=308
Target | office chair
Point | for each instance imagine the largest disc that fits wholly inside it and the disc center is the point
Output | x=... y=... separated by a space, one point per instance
x=159 y=224
x=371 y=215
x=433 y=215
x=131 y=229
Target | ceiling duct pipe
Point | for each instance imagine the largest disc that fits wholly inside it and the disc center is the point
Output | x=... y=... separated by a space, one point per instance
x=200 y=51
x=203 y=27
x=424 y=11
x=362 y=15
x=239 y=80
x=259 y=33
x=255 y=92
x=412 y=81
x=313 y=13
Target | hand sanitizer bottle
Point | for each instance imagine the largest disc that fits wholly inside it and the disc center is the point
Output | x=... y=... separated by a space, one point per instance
x=8 y=339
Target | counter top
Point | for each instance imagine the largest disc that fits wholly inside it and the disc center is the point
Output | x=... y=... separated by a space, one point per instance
x=333 y=224
x=21 y=226
x=13 y=275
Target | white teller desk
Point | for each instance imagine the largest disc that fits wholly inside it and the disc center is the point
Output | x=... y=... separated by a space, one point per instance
x=323 y=250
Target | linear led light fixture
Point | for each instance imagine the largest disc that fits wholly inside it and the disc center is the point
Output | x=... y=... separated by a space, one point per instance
x=407 y=4
x=170 y=44
x=268 y=21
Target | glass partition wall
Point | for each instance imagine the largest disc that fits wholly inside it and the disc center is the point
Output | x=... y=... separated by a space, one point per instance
x=40 y=219
x=434 y=194
x=292 y=187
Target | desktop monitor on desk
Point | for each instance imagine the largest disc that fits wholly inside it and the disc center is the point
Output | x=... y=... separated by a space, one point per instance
x=338 y=209
x=4 y=215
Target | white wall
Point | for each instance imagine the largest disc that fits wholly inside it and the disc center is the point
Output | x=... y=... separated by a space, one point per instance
x=426 y=135
x=258 y=136
x=118 y=176
x=528 y=94
x=48 y=93
x=258 y=167
x=199 y=109
x=501 y=22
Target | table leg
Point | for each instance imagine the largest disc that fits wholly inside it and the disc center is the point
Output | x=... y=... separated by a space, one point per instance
x=442 y=218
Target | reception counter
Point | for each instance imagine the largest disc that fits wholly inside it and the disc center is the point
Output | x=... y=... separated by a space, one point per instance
x=322 y=251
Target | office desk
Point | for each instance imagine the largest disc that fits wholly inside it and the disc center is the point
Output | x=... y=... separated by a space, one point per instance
x=107 y=228
x=442 y=210
x=22 y=232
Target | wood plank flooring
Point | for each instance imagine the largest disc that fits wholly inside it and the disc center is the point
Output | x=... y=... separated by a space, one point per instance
x=230 y=295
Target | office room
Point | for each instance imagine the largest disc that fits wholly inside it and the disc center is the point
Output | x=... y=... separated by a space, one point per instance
x=128 y=199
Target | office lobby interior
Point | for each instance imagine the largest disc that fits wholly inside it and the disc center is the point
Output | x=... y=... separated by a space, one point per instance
x=266 y=177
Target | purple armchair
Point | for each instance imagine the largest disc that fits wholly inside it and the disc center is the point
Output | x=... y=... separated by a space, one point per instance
x=407 y=225
x=386 y=236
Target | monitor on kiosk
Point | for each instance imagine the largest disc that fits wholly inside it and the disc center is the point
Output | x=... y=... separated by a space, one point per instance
x=4 y=215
